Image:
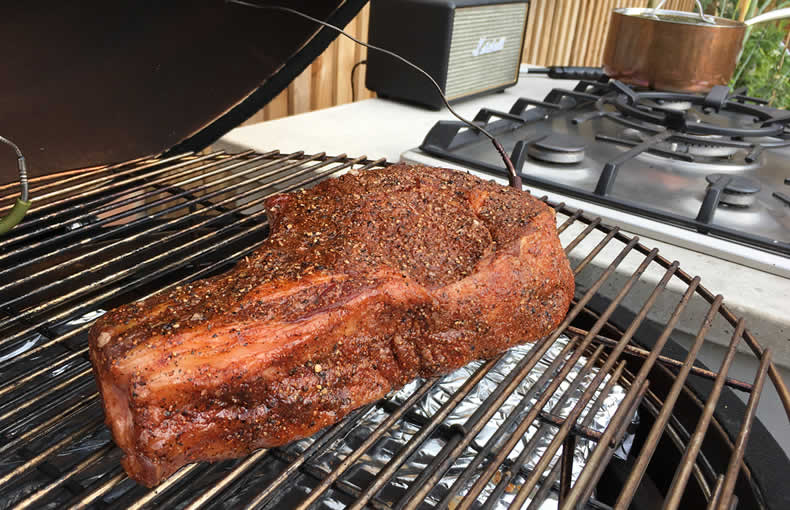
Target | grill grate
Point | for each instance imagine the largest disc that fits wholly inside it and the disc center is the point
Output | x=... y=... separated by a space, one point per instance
x=104 y=236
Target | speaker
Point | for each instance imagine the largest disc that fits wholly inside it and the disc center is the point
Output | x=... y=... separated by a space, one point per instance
x=469 y=47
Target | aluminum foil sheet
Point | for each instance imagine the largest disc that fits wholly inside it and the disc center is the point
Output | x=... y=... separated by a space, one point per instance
x=538 y=436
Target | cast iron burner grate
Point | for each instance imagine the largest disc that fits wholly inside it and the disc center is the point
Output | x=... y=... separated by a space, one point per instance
x=104 y=236
x=723 y=131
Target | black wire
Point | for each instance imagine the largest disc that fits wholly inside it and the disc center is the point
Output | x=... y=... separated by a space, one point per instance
x=353 y=88
x=513 y=178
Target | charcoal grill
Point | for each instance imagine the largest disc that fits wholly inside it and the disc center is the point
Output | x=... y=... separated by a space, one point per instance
x=108 y=235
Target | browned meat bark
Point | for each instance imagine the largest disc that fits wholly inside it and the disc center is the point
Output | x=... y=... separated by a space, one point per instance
x=366 y=282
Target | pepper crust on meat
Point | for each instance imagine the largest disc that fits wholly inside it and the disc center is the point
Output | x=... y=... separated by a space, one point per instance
x=365 y=282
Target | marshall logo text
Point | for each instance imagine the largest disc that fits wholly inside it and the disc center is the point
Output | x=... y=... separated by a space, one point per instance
x=485 y=45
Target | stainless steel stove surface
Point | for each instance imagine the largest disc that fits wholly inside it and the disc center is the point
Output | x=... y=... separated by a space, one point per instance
x=715 y=165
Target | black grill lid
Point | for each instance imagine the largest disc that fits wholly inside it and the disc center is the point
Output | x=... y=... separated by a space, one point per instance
x=103 y=82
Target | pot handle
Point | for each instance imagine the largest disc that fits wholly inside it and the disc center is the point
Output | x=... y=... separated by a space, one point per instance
x=704 y=17
x=770 y=16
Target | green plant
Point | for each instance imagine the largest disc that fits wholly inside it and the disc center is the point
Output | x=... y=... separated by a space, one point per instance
x=764 y=64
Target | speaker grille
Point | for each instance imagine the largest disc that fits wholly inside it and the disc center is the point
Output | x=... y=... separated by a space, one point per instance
x=485 y=47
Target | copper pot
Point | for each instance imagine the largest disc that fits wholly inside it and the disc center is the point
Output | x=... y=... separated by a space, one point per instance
x=674 y=50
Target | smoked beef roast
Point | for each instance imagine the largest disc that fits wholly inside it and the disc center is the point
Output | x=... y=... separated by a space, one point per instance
x=365 y=282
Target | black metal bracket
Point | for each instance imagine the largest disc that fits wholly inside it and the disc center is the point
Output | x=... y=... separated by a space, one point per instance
x=596 y=86
x=717 y=97
x=609 y=173
x=556 y=95
x=485 y=114
x=443 y=133
x=782 y=197
x=522 y=103
x=754 y=154
x=711 y=201
x=625 y=90
x=519 y=154
x=584 y=117
x=782 y=118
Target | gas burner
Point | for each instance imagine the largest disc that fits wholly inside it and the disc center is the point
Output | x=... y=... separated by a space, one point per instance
x=696 y=148
x=678 y=106
x=736 y=190
x=663 y=109
x=557 y=148
x=711 y=150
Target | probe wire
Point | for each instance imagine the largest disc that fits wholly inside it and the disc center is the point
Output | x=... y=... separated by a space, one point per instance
x=513 y=178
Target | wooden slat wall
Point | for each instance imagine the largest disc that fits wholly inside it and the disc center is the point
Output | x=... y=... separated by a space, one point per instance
x=327 y=82
x=573 y=32
x=559 y=32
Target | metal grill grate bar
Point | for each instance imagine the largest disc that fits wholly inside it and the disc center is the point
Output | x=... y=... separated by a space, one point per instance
x=101 y=452
x=671 y=362
x=325 y=438
x=48 y=424
x=776 y=378
x=714 y=498
x=98 y=492
x=493 y=464
x=386 y=473
x=120 y=274
x=743 y=436
x=352 y=457
x=156 y=228
x=38 y=459
x=86 y=326
x=29 y=376
x=574 y=414
x=137 y=267
x=42 y=395
x=148 y=262
x=582 y=236
x=163 y=487
x=567 y=464
x=612 y=435
x=687 y=462
x=627 y=494
x=73 y=333
x=102 y=489
x=565 y=429
x=108 y=202
x=128 y=226
x=59 y=180
x=586 y=478
x=46 y=345
x=538 y=351
x=594 y=252
x=569 y=221
x=433 y=473
x=320 y=445
x=83 y=203
x=537 y=471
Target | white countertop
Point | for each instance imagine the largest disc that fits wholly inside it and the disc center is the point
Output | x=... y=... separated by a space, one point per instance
x=382 y=128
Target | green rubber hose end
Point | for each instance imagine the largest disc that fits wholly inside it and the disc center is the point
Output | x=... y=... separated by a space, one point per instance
x=15 y=216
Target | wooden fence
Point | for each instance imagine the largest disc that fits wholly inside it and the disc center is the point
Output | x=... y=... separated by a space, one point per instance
x=559 y=32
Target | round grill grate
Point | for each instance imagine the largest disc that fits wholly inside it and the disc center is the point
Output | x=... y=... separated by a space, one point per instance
x=139 y=227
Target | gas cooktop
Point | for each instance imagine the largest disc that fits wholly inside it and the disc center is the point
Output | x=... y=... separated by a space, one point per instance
x=715 y=165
